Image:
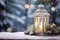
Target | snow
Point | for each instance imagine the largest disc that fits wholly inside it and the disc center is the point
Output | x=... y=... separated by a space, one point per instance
x=21 y=35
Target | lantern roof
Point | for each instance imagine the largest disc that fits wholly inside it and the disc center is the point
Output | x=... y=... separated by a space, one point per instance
x=41 y=11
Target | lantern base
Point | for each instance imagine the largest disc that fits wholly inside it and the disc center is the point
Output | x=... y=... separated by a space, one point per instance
x=41 y=34
x=44 y=34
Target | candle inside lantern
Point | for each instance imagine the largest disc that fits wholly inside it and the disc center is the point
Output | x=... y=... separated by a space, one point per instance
x=41 y=27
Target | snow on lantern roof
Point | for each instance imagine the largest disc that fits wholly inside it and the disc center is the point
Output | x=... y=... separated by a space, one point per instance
x=40 y=6
x=41 y=11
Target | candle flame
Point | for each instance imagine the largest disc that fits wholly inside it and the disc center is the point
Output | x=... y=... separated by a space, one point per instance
x=37 y=24
x=41 y=27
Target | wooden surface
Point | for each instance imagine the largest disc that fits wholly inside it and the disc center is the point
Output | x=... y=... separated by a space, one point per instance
x=21 y=35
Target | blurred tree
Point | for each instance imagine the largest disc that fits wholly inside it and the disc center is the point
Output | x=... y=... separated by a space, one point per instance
x=16 y=17
x=3 y=24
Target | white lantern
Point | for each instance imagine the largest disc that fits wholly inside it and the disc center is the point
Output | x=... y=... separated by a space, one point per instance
x=41 y=19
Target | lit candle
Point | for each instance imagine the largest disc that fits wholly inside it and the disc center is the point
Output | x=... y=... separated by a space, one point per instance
x=41 y=27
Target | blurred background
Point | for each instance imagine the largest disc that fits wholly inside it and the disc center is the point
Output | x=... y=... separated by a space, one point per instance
x=16 y=15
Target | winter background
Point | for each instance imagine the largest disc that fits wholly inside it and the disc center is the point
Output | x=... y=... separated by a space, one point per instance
x=16 y=13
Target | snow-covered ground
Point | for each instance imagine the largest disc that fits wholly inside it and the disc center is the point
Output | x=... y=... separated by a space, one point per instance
x=21 y=35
